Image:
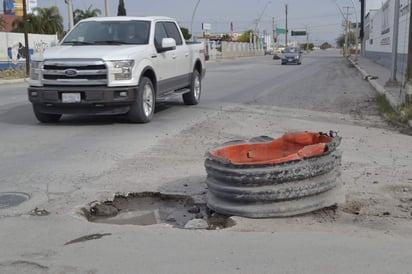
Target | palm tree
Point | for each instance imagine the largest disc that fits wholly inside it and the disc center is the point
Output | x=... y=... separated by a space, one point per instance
x=47 y=21
x=83 y=14
x=51 y=21
x=32 y=26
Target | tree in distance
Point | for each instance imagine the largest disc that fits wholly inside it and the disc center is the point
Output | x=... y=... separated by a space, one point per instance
x=325 y=45
x=186 y=33
x=340 y=41
x=121 y=10
x=83 y=14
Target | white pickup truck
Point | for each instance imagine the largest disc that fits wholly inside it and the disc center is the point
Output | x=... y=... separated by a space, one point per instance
x=116 y=65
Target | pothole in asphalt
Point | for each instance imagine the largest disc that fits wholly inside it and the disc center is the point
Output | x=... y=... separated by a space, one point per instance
x=12 y=199
x=149 y=208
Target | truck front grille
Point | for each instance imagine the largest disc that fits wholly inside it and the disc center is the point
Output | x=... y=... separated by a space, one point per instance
x=74 y=72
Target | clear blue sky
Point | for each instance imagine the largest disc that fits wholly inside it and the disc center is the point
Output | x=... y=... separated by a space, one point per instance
x=322 y=17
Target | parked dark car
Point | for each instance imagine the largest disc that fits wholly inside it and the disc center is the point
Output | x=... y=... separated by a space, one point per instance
x=291 y=55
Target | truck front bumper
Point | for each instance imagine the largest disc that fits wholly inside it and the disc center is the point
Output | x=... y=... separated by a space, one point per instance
x=82 y=100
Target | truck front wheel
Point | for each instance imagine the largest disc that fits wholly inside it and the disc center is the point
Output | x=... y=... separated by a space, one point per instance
x=141 y=111
x=193 y=96
x=46 y=117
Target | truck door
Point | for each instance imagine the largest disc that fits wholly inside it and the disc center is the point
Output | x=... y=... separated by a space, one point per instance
x=183 y=54
x=164 y=62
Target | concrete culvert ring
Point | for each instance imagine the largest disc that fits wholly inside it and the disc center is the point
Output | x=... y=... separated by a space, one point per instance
x=285 y=191
x=12 y=199
x=150 y=208
x=257 y=175
x=264 y=177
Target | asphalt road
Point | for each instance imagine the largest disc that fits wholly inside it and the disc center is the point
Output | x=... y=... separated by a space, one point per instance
x=35 y=156
x=66 y=166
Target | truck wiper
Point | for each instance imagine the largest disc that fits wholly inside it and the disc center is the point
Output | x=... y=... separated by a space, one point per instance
x=76 y=43
x=110 y=42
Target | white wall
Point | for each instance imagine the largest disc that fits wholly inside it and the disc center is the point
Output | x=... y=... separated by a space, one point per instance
x=379 y=34
x=10 y=40
x=381 y=28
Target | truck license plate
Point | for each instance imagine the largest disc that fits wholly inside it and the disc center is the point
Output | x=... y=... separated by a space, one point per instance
x=71 y=97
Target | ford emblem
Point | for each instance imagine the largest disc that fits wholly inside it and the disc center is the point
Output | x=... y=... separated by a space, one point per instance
x=70 y=72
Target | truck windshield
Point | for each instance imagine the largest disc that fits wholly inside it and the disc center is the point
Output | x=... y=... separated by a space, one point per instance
x=135 y=32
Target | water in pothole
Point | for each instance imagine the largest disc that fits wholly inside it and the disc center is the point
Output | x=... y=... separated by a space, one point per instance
x=148 y=208
x=11 y=199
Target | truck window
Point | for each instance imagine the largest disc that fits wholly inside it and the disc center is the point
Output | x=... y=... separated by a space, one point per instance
x=173 y=32
x=134 y=32
x=167 y=30
x=160 y=33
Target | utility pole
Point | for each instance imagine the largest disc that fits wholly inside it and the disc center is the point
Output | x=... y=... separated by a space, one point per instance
x=392 y=81
x=26 y=38
x=286 y=31
x=273 y=33
x=356 y=31
x=409 y=68
x=347 y=31
x=362 y=24
x=257 y=21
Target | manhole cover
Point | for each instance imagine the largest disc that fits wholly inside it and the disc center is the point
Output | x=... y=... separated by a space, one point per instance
x=149 y=208
x=10 y=199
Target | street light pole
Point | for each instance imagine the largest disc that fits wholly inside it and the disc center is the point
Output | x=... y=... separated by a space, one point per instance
x=346 y=27
x=106 y=6
x=257 y=21
x=193 y=17
x=70 y=11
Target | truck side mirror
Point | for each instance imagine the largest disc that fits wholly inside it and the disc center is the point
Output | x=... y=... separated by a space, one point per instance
x=167 y=44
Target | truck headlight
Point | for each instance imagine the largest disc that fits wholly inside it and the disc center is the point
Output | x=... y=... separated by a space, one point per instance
x=122 y=70
x=35 y=68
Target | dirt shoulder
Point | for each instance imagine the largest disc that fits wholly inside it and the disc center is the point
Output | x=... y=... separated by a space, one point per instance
x=12 y=74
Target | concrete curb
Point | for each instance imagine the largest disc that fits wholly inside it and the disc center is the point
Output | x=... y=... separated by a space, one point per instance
x=378 y=87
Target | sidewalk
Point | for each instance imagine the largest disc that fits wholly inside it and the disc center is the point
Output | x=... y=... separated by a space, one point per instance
x=378 y=76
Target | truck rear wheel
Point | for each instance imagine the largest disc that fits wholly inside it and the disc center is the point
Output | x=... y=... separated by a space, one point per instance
x=193 y=97
x=46 y=117
x=141 y=111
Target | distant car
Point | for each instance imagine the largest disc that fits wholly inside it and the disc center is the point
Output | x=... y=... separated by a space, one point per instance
x=291 y=55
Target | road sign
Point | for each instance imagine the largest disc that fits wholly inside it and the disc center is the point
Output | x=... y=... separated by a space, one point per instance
x=298 y=33
x=280 y=31
x=206 y=26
